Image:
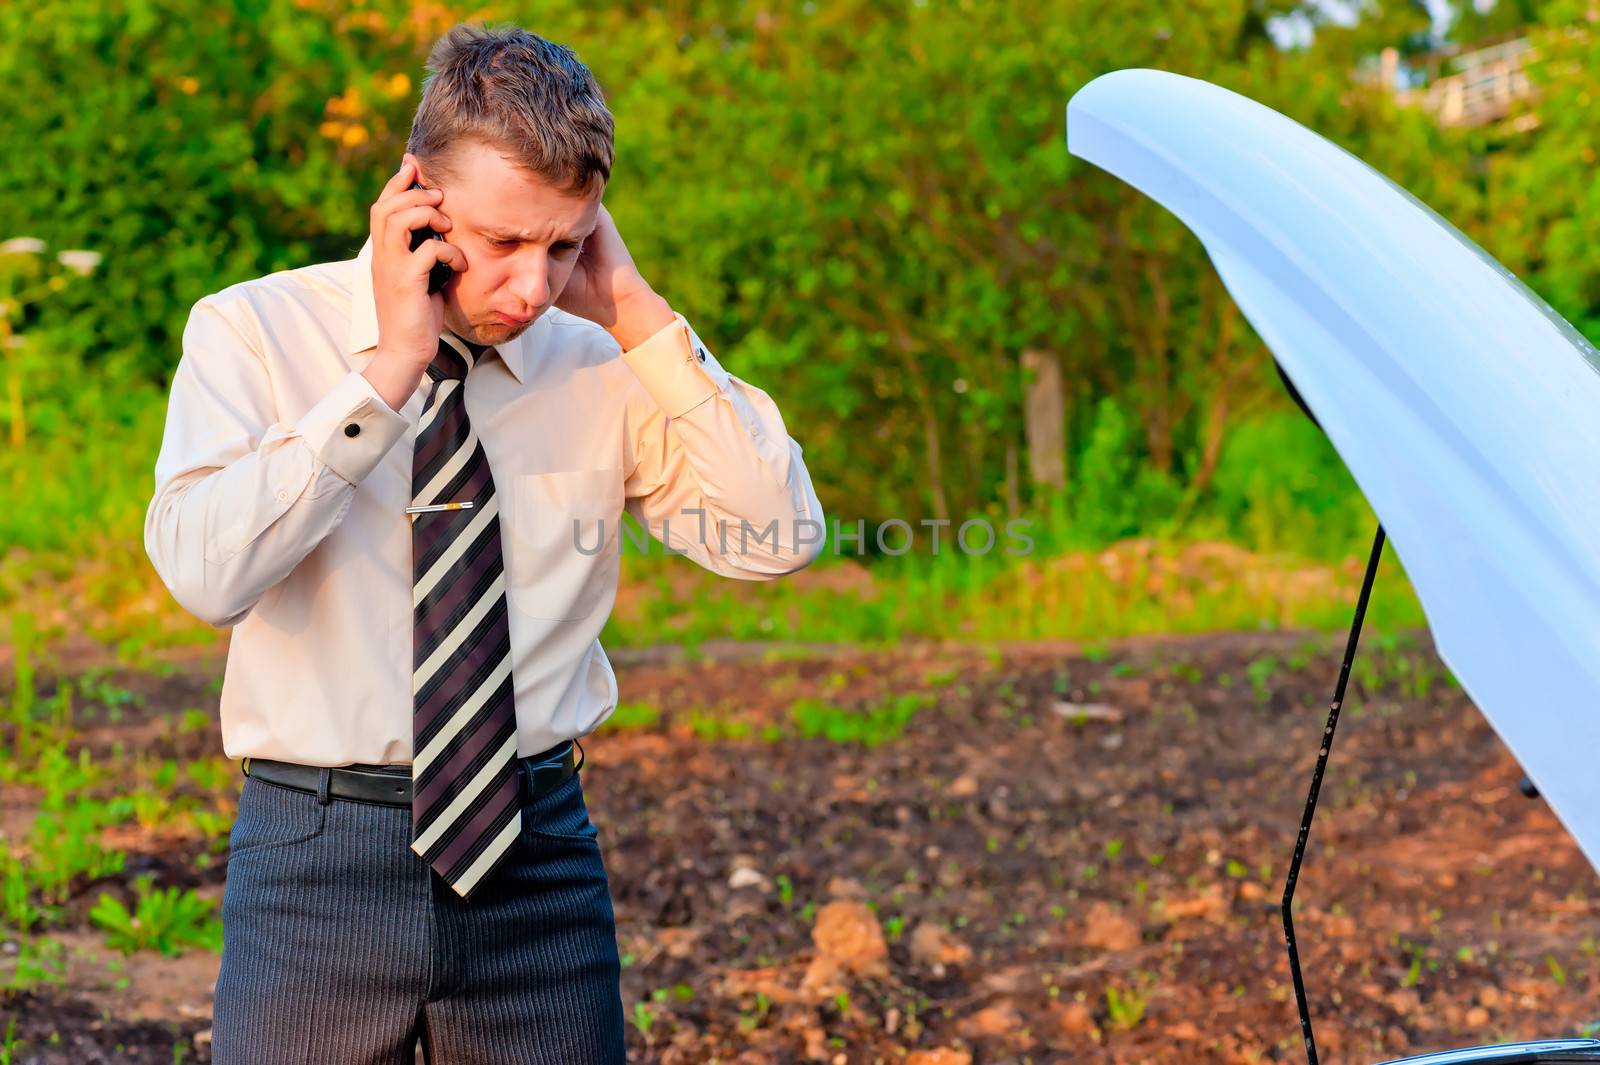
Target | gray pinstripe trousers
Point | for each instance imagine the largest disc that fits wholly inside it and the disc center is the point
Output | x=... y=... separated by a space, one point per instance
x=341 y=947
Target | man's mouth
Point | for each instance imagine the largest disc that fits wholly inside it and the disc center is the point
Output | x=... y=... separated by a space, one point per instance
x=507 y=319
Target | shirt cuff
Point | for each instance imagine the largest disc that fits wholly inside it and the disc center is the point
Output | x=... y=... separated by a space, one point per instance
x=352 y=428
x=676 y=368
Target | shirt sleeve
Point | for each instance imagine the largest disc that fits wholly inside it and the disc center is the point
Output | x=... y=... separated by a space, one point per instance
x=715 y=474
x=241 y=496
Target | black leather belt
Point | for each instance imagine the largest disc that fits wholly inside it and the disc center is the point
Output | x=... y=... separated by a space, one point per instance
x=390 y=785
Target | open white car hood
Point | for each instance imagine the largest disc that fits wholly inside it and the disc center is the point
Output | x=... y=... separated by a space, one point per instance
x=1466 y=409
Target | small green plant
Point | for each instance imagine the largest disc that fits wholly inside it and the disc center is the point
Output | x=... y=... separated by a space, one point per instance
x=214 y=776
x=40 y=960
x=1187 y=672
x=99 y=691
x=17 y=908
x=632 y=716
x=1303 y=655
x=712 y=727
x=170 y=921
x=1124 y=1009
x=194 y=720
x=870 y=726
x=23 y=637
x=1260 y=672
x=748 y=1022
x=681 y=991
x=65 y=844
x=1557 y=972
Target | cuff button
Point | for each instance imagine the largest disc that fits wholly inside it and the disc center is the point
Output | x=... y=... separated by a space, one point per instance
x=701 y=354
x=352 y=429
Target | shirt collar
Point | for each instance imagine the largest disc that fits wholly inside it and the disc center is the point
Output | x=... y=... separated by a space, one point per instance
x=363 y=334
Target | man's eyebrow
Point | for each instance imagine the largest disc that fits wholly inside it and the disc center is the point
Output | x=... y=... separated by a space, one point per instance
x=512 y=234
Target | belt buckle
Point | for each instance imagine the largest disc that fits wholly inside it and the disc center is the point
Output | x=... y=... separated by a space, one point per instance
x=531 y=772
x=530 y=780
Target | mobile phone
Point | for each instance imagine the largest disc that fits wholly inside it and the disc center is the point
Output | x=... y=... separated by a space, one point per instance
x=439 y=276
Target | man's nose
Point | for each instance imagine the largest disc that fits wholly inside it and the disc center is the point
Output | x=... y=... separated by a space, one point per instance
x=531 y=285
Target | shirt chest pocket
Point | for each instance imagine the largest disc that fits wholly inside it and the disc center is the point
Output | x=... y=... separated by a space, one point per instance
x=562 y=538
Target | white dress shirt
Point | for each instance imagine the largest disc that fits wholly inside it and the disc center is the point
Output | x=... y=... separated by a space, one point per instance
x=283 y=477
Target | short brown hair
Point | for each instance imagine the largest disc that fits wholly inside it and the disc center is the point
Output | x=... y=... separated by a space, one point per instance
x=520 y=94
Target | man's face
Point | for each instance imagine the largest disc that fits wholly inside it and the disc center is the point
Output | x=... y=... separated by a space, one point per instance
x=521 y=236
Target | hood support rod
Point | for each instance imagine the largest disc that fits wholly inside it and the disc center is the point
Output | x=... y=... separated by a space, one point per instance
x=1316 y=787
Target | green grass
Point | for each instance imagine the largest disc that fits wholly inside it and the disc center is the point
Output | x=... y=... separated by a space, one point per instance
x=870 y=726
x=630 y=716
x=75 y=554
x=77 y=799
x=807 y=718
x=1167 y=587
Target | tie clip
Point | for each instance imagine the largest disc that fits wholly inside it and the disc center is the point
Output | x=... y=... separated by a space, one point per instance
x=463 y=505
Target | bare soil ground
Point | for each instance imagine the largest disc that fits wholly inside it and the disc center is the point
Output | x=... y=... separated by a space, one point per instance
x=1014 y=878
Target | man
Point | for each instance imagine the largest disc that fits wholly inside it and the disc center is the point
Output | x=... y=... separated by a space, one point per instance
x=406 y=505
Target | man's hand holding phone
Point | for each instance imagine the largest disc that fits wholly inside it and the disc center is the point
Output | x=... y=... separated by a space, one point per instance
x=410 y=318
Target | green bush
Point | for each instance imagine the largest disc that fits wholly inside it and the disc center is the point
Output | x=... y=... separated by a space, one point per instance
x=1280 y=485
x=1116 y=493
x=860 y=220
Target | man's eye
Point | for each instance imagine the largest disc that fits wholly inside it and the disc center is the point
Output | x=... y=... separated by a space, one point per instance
x=562 y=249
x=505 y=243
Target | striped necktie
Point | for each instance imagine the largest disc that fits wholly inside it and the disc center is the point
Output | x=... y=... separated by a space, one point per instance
x=466 y=794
